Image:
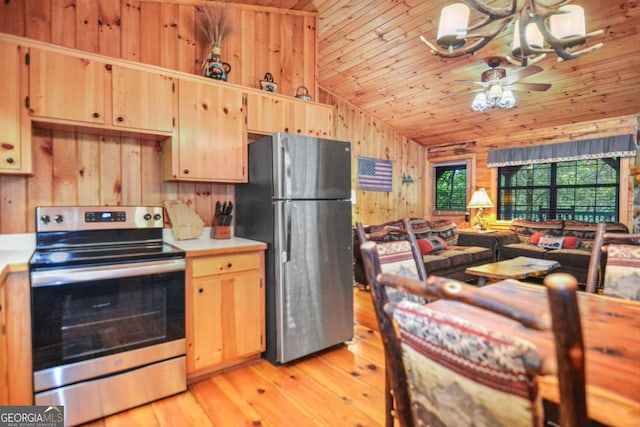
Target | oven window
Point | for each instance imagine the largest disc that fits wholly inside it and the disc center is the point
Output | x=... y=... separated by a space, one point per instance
x=79 y=321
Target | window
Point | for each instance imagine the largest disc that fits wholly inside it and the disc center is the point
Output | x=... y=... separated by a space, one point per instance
x=451 y=187
x=582 y=190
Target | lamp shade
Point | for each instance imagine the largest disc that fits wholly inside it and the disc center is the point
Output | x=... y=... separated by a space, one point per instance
x=453 y=25
x=570 y=23
x=480 y=199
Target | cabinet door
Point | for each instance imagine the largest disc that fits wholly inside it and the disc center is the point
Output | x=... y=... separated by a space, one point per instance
x=313 y=119
x=14 y=156
x=16 y=373
x=212 y=136
x=66 y=87
x=142 y=99
x=267 y=114
x=228 y=317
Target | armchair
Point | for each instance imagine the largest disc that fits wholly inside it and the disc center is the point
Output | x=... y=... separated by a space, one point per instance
x=615 y=264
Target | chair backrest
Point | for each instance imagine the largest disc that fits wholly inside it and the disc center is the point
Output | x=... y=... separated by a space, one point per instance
x=398 y=252
x=463 y=374
x=615 y=264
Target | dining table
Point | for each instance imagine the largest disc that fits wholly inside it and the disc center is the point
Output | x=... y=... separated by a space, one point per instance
x=611 y=336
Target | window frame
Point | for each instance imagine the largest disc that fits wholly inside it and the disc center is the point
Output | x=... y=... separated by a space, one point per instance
x=555 y=188
x=469 y=162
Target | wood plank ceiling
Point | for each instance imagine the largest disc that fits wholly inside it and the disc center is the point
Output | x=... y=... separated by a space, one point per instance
x=370 y=54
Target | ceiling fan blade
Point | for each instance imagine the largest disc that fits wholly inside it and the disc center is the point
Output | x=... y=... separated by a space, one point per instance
x=475 y=82
x=523 y=73
x=453 y=95
x=535 y=87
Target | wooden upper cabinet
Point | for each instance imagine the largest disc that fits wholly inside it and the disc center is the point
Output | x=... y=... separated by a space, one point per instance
x=267 y=113
x=66 y=87
x=313 y=119
x=212 y=139
x=15 y=137
x=142 y=99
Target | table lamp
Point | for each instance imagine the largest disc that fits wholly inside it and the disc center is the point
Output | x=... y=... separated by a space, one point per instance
x=480 y=200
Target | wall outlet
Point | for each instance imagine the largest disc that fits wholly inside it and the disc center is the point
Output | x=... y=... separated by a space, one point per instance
x=466 y=217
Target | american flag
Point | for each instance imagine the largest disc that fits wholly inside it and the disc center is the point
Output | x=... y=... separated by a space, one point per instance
x=374 y=174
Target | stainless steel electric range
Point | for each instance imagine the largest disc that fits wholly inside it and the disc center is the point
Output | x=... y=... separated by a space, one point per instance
x=108 y=303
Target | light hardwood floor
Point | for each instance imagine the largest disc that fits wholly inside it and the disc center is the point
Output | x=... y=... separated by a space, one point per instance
x=340 y=387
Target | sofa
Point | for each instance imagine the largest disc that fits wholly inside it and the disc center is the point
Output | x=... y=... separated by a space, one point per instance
x=566 y=241
x=445 y=251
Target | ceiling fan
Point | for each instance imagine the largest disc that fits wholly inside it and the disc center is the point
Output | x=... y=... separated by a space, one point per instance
x=498 y=86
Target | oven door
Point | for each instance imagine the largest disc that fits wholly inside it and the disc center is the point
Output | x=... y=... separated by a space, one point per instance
x=86 y=313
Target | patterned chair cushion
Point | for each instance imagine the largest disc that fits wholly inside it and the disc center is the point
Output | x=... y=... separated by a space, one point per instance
x=622 y=272
x=446 y=229
x=396 y=258
x=526 y=229
x=464 y=375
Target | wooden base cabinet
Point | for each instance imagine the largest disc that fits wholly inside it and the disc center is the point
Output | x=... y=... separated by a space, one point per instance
x=225 y=311
x=16 y=374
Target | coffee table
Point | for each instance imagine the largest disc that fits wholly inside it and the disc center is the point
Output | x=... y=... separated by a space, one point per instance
x=517 y=268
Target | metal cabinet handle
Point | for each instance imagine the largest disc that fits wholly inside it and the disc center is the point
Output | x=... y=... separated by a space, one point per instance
x=200 y=290
x=10 y=160
x=96 y=115
x=229 y=265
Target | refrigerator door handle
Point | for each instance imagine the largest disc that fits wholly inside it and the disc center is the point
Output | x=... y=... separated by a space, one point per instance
x=284 y=231
x=288 y=236
x=285 y=169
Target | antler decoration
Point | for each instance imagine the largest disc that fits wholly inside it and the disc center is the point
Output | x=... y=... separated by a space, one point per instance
x=530 y=12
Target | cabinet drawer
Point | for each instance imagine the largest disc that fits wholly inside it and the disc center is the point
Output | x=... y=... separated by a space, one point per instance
x=222 y=264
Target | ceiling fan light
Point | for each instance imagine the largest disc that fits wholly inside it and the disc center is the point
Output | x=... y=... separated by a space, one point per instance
x=533 y=36
x=568 y=24
x=494 y=94
x=452 y=29
x=507 y=100
x=480 y=102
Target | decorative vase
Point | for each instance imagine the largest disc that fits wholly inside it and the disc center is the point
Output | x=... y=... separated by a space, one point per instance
x=268 y=84
x=214 y=67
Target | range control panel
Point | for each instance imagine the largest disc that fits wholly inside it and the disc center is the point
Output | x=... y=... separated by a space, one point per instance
x=74 y=218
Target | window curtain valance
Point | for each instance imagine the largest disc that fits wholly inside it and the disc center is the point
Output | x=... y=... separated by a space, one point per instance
x=613 y=146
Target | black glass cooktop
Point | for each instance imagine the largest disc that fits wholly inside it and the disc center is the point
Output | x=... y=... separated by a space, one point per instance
x=109 y=254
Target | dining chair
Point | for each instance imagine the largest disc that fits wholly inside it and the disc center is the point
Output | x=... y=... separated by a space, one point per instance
x=460 y=374
x=615 y=264
x=400 y=254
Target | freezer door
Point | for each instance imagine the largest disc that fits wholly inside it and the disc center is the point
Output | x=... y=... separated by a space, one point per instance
x=311 y=168
x=314 y=287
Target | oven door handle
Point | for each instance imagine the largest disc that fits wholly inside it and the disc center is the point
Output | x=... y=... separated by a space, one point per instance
x=104 y=272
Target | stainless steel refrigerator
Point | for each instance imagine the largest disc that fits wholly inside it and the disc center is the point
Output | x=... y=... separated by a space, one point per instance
x=297 y=200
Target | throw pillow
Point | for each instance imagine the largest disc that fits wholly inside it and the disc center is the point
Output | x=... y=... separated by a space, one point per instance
x=548 y=242
x=446 y=229
x=535 y=239
x=432 y=244
x=425 y=246
x=570 y=242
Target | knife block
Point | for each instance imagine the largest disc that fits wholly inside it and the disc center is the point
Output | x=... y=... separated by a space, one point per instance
x=221 y=232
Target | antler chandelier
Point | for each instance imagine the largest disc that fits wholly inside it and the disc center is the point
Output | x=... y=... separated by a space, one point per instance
x=537 y=24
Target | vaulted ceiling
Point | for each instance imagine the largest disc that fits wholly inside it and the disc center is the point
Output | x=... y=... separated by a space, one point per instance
x=370 y=54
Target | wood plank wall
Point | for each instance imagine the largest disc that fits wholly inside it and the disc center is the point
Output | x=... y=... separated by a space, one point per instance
x=76 y=168
x=371 y=138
